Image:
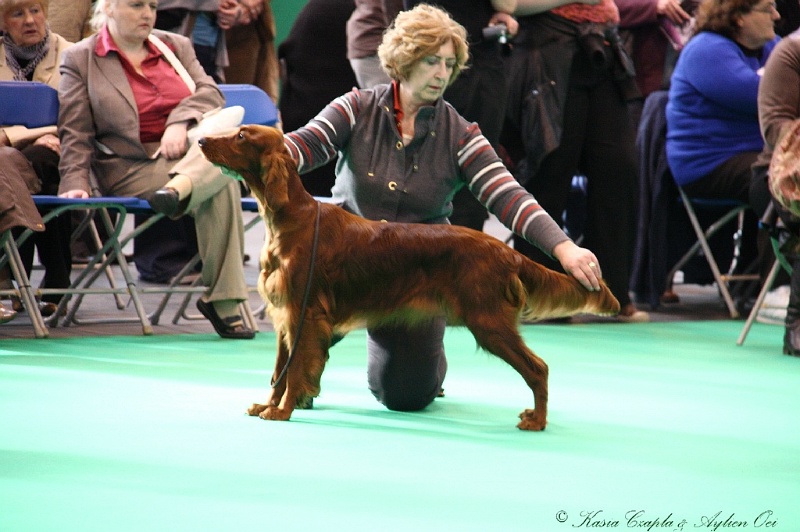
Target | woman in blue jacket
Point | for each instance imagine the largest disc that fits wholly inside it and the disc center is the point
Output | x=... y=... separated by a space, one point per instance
x=713 y=137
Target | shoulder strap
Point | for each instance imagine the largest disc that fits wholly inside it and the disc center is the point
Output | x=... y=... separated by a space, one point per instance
x=174 y=61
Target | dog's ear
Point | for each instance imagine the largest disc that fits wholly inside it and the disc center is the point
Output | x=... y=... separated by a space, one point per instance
x=276 y=168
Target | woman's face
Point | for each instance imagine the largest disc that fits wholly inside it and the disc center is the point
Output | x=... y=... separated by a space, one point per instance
x=26 y=25
x=131 y=20
x=428 y=78
x=757 y=27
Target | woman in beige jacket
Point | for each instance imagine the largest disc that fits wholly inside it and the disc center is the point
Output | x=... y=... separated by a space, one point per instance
x=124 y=115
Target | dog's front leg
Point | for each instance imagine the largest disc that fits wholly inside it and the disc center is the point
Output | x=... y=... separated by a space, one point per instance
x=278 y=386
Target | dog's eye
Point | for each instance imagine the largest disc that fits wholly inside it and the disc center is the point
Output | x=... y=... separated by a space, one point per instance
x=241 y=135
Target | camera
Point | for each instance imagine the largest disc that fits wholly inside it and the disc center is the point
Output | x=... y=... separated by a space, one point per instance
x=498 y=32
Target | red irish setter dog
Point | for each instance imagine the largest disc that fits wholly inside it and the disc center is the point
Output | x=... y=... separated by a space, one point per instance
x=369 y=273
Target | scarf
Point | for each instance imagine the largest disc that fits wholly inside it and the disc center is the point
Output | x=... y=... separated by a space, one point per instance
x=31 y=56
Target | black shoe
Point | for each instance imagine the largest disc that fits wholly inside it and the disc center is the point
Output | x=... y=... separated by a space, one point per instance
x=47 y=309
x=791 y=340
x=230 y=327
x=167 y=201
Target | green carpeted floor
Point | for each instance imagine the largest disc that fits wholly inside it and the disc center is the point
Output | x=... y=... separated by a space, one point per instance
x=670 y=421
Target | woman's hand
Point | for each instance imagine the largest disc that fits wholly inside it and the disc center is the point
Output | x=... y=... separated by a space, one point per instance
x=231 y=13
x=580 y=263
x=74 y=194
x=174 y=143
x=49 y=141
x=673 y=11
x=253 y=7
x=512 y=26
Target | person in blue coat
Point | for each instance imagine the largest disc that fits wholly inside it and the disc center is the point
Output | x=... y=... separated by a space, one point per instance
x=713 y=136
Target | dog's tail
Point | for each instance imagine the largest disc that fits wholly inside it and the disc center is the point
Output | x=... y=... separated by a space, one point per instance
x=549 y=294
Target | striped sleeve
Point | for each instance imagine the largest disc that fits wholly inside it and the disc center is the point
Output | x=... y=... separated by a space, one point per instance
x=319 y=141
x=495 y=187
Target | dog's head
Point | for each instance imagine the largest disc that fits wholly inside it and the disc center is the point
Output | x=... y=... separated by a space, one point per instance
x=259 y=156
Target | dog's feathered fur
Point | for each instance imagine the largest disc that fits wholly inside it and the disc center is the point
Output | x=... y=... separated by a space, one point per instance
x=369 y=273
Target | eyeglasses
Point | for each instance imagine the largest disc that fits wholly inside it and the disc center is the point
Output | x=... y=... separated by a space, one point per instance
x=769 y=8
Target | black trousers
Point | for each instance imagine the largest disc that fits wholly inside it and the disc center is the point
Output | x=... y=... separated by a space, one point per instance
x=598 y=141
x=735 y=179
x=53 y=245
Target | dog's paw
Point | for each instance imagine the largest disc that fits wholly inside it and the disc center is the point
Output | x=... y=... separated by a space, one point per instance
x=256 y=409
x=273 y=413
x=531 y=420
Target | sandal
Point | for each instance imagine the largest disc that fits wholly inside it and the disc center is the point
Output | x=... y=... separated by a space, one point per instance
x=230 y=327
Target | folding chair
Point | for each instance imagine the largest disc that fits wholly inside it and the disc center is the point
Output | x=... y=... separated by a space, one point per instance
x=734 y=209
x=777 y=237
x=110 y=252
x=258 y=106
x=24 y=289
x=28 y=103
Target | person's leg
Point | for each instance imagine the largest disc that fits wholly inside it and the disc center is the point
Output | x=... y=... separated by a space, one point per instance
x=215 y=204
x=734 y=179
x=730 y=180
x=552 y=182
x=407 y=365
x=791 y=338
x=53 y=244
x=609 y=163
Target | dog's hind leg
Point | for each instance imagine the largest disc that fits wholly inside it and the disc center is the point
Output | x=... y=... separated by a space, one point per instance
x=503 y=340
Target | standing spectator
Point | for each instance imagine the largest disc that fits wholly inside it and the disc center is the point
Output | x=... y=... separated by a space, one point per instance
x=252 y=58
x=479 y=93
x=314 y=70
x=654 y=30
x=364 y=33
x=204 y=22
x=570 y=85
x=70 y=18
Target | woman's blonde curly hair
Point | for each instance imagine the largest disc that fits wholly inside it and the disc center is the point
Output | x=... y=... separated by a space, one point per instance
x=418 y=33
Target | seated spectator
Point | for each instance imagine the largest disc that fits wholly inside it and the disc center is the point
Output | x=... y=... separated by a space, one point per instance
x=779 y=110
x=125 y=110
x=713 y=137
x=29 y=51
